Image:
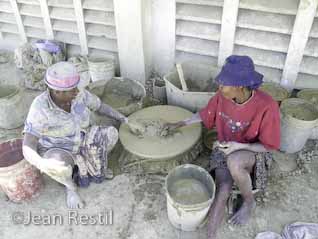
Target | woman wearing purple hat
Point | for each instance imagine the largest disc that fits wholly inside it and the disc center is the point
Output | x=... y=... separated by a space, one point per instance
x=247 y=121
x=58 y=137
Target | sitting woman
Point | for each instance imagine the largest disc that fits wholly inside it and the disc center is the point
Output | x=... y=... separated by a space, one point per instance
x=58 y=137
x=247 y=121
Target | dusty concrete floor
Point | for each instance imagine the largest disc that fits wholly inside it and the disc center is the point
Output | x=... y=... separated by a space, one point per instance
x=138 y=204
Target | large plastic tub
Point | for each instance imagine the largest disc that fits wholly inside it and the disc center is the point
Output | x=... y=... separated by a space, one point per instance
x=123 y=94
x=200 y=81
x=298 y=119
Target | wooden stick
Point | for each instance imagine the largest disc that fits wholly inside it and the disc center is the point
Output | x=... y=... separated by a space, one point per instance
x=181 y=77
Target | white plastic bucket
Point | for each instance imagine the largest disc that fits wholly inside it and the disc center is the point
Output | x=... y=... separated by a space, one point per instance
x=200 y=80
x=13 y=107
x=101 y=68
x=310 y=95
x=184 y=216
x=298 y=119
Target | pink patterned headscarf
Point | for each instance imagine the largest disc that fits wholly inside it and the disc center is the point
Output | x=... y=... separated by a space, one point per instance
x=62 y=76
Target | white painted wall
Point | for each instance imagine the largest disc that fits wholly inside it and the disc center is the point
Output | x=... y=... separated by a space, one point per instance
x=130 y=38
x=163 y=35
x=147 y=12
x=146 y=35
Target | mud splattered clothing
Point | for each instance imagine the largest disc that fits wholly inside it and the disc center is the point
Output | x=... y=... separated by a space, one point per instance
x=256 y=120
x=92 y=158
x=72 y=132
x=57 y=128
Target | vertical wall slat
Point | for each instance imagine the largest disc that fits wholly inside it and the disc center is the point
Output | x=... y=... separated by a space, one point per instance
x=229 y=18
x=163 y=48
x=17 y=15
x=128 y=18
x=78 y=7
x=302 y=26
x=46 y=19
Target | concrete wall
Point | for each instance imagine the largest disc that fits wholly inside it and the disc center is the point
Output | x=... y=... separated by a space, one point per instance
x=145 y=35
x=87 y=26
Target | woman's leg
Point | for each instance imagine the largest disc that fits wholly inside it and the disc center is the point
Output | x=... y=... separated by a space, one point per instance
x=241 y=164
x=224 y=184
x=72 y=198
x=98 y=142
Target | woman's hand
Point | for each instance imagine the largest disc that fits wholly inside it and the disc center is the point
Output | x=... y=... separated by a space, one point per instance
x=173 y=126
x=135 y=127
x=230 y=147
x=124 y=120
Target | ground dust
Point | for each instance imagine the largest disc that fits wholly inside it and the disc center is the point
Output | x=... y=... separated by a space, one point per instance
x=288 y=199
x=189 y=191
x=6 y=91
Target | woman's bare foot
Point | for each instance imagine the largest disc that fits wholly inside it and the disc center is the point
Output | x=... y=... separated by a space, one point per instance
x=211 y=232
x=73 y=200
x=109 y=174
x=244 y=213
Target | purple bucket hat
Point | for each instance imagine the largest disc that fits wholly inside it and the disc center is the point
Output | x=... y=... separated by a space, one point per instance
x=239 y=71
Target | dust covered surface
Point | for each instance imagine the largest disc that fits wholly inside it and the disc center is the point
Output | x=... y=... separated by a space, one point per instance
x=138 y=203
x=151 y=145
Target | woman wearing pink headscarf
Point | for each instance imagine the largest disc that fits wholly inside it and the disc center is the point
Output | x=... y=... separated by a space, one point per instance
x=58 y=137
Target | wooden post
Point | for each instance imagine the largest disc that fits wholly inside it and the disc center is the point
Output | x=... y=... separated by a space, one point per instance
x=229 y=18
x=302 y=26
x=78 y=7
x=18 y=19
x=46 y=19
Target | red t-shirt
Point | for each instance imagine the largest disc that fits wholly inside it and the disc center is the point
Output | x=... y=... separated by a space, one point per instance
x=256 y=120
